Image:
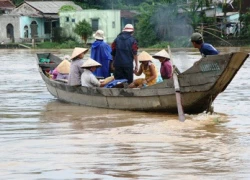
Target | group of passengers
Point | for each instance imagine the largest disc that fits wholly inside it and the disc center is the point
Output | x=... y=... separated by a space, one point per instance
x=120 y=59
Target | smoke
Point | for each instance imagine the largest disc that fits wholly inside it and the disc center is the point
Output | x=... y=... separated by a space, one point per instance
x=170 y=24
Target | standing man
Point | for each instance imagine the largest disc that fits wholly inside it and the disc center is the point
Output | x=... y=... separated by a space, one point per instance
x=204 y=48
x=124 y=52
x=101 y=52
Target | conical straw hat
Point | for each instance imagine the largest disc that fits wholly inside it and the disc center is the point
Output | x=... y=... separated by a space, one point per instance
x=144 y=56
x=161 y=53
x=77 y=51
x=91 y=63
x=64 y=67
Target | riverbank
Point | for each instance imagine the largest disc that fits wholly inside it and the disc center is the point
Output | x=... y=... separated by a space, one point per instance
x=231 y=42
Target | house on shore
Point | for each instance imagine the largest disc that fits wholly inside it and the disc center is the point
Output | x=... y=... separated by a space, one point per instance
x=34 y=20
x=7 y=24
x=107 y=20
x=110 y=21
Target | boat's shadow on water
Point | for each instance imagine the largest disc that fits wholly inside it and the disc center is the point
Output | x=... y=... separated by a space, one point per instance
x=83 y=117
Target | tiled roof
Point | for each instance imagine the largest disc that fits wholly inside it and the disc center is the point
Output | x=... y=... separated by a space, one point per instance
x=128 y=14
x=6 y=4
x=51 y=7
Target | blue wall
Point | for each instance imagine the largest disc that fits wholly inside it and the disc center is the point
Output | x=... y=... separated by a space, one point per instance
x=26 y=21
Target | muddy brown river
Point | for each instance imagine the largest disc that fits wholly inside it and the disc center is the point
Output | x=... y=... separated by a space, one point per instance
x=43 y=138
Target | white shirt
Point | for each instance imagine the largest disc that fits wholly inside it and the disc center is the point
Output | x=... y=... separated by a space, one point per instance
x=88 y=79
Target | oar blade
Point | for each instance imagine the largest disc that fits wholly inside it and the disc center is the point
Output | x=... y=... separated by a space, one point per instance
x=179 y=107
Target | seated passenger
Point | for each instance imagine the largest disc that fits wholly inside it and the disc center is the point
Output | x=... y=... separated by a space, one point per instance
x=75 y=67
x=147 y=68
x=62 y=70
x=166 y=65
x=88 y=79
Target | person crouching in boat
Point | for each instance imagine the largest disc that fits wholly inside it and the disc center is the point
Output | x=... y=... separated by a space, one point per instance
x=147 y=68
x=204 y=48
x=75 y=67
x=88 y=79
x=62 y=70
x=166 y=65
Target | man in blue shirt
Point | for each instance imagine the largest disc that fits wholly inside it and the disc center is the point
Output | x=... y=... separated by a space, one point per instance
x=204 y=48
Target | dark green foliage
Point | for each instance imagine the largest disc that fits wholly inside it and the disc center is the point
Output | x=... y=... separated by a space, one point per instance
x=145 y=28
x=17 y=2
x=245 y=21
x=56 y=45
x=84 y=30
x=67 y=8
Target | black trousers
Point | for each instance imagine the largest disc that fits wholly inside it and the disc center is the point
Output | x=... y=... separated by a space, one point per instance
x=124 y=73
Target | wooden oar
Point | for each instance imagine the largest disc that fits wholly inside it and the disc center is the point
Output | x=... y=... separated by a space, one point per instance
x=177 y=90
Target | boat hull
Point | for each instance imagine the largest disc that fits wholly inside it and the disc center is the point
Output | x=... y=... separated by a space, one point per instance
x=199 y=86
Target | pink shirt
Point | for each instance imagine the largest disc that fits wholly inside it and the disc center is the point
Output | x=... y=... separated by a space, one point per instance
x=54 y=73
x=166 y=69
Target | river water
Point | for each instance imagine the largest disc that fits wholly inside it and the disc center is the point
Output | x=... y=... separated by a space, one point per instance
x=43 y=138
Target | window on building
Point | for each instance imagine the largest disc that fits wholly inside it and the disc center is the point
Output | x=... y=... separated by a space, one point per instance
x=73 y=20
x=47 y=27
x=10 y=31
x=95 y=24
x=26 y=31
x=67 y=19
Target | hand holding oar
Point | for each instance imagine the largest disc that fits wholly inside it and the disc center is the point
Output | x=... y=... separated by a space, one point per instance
x=177 y=90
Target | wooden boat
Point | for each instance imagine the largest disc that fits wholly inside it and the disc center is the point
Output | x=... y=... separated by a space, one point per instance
x=199 y=86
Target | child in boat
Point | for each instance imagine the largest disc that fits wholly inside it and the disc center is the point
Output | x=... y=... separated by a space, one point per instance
x=147 y=68
x=166 y=65
x=75 y=67
x=88 y=79
x=62 y=70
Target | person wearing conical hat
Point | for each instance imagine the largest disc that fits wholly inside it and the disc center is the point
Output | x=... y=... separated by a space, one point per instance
x=148 y=69
x=64 y=67
x=101 y=52
x=88 y=79
x=75 y=67
x=166 y=69
x=62 y=70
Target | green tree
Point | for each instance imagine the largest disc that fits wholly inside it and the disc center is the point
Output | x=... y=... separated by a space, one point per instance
x=145 y=28
x=17 y=2
x=83 y=29
x=157 y=22
x=192 y=11
x=67 y=8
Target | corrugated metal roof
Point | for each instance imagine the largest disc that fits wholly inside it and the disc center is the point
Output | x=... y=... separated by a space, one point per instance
x=51 y=6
